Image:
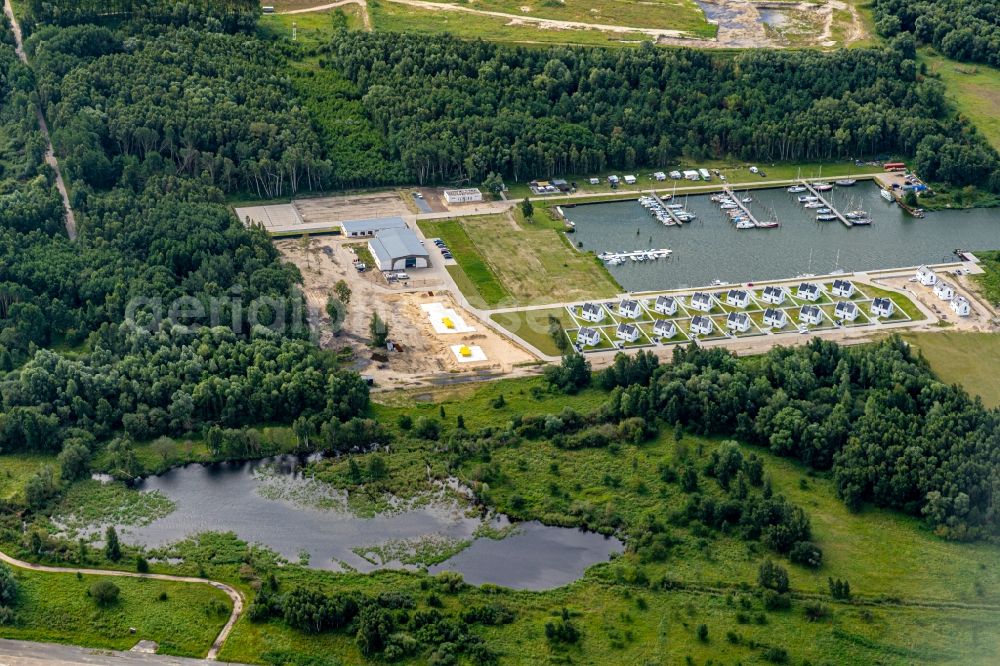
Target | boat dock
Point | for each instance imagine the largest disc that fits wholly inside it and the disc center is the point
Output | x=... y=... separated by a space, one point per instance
x=616 y=258
x=742 y=206
x=670 y=211
x=819 y=196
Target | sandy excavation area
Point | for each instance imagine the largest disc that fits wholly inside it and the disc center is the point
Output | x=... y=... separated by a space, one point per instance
x=424 y=356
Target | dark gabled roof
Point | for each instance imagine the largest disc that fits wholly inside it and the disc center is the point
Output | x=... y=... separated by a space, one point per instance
x=770 y=313
x=701 y=296
x=777 y=291
x=846 y=305
x=737 y=293
x=881 y=303
x=661 y=323
x=591 y=307
x=808 y=286
x=842 y=284
x=628 y=304
x=627 y=328
x=811 y=310
x=738 y=316
x=664 y=299
x=698 y=319
x=586 y=331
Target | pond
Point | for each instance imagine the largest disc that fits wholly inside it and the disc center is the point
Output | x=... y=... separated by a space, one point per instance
x=270 y=502
x=710 y=248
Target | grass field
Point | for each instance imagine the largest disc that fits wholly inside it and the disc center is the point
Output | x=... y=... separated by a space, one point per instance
x=511 y=262
x=312 y=28
x=55 y=608
x=973 y=89
x=989 y=281
x=666 y=14
x=969 y=359
x=393 y=17
x=16 y=468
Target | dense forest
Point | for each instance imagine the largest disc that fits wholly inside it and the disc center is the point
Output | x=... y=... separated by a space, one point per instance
x=450 y=109
x=229 y=15
x=155 y=235
x=186 y=102
x=960 y=29
x=890 y=432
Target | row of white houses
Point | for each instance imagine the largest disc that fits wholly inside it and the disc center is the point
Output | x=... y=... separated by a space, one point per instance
x=740 y=322
x=944 y=291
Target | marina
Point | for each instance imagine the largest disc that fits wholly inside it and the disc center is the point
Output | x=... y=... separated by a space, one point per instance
x=710 y=249
x=832 y=213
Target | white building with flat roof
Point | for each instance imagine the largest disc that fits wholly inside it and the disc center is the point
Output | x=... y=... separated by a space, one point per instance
x=365 y=228
x=466 y=195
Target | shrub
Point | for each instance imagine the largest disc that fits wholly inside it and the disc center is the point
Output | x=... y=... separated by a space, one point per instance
x=772 y=576
x=703 y=633
x=141 y=565
x=8 y=586
x=104 y=592
x=807 y=554
x=775 y=655
x=775 y=601
x=814 y=611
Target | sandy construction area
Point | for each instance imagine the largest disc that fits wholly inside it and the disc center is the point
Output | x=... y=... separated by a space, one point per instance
x=351 y=207
x=425 y=355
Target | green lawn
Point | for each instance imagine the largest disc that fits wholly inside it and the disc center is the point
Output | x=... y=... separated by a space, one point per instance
x=510 y=261
x=974 y=90
x=55 y=608
x=475 y=278
x=532 y=326
x=969 y=359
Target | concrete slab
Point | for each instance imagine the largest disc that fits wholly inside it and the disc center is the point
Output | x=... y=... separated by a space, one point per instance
x=468 y=353
x=445 y=320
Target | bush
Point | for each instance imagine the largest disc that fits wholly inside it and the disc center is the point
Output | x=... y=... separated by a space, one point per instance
x=141 y=565
x=8 y=586
x=814 y=611
x=775 y=655
x=703 y=633
x=774 y=601
x=807 y=554
x=772 y=576
x=104 y=592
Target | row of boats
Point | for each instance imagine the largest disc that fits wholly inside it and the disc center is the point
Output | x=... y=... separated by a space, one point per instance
x=735 y=206
x=826 y=214
x=668 y=214
x=617 y=258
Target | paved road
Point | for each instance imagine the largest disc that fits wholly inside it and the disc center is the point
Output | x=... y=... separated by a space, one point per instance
x=50 y=156
x=26 y=653
x=234 y=594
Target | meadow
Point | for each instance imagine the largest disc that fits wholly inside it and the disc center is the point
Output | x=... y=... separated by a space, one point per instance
x=969 y=359
x=513 y=261
x=973 y=89
x=183 y=618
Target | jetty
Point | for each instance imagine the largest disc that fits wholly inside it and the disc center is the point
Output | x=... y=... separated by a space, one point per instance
x=670 y=211
x=616 y=258
x=819 y=196
x=743 y=207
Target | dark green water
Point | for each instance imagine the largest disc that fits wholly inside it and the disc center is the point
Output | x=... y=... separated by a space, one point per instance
x=711 y=248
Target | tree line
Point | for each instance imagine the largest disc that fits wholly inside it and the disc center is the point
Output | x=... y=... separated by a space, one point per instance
x=962 y=29
x=229 y=15
x=448 y=110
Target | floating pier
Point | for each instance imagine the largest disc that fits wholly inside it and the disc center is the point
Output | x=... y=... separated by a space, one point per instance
x=615 y=258
x=819 y=196
x=670 y=211
x=743 y=207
